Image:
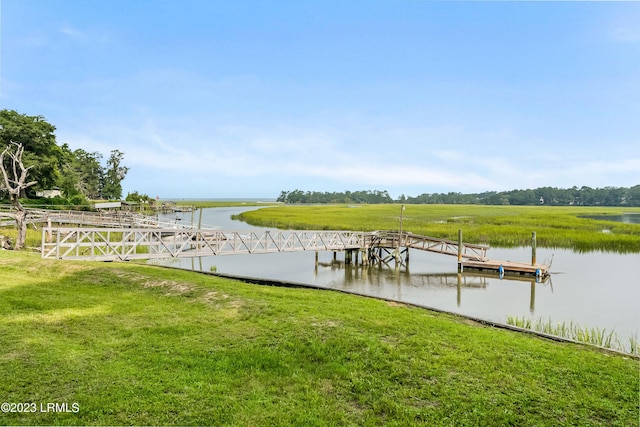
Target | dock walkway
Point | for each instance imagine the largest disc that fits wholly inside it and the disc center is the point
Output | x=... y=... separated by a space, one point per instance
x=116 y=219
x=112 y=244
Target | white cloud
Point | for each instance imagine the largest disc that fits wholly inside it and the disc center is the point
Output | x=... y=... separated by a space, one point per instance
x=82 y=37
x=395 y=175
x=72 y=32
x=264 y=155
x=626 y=34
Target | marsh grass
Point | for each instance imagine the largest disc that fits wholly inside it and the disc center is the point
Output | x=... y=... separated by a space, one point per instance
x=576 y=332
x=142 y=345
x=498 y=226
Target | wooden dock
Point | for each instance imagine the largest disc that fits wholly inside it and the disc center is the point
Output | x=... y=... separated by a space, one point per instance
x=509 y=268
x=135 y=238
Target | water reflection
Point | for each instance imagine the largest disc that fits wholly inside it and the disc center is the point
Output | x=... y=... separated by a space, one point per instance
x=375 y=280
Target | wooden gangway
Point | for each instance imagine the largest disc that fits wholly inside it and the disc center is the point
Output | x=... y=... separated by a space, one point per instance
x=111 y=244
x=394 y=239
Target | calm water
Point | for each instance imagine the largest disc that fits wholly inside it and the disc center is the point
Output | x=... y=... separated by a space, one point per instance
x=627 y=218
x=597 y=289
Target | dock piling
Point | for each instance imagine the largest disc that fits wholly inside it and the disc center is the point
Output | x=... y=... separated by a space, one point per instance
x=533 y=248
x=459 y=250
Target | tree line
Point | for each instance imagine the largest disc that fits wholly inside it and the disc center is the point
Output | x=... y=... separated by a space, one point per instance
x=299 y=196
x=78 y=174
x=578 y=196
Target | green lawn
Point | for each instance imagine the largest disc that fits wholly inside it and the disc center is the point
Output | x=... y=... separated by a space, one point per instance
x=141 y=345
x=500 y=226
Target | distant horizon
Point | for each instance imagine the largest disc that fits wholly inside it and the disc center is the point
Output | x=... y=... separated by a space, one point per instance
x=219 y=199
x=273 y=199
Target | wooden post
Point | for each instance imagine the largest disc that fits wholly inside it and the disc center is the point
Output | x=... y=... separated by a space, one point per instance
x=459 y=250
x=49 y=236
x=400 y=237
x=533 y=248
x=58 y=244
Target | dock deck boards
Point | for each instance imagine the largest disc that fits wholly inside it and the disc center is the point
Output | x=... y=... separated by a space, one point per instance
x=509 y=267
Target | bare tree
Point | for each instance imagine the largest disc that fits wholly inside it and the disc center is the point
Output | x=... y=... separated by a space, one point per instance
x=15 y=182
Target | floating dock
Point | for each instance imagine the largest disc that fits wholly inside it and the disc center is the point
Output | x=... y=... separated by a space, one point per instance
x=506 y=267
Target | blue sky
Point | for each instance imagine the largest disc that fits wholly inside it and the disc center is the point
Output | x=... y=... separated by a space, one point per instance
x=248 y=98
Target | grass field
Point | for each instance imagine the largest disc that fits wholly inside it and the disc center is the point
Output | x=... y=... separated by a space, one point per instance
x=131 y=344
x=498 y=226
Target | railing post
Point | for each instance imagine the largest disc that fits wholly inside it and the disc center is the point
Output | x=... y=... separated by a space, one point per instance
x=58 y=244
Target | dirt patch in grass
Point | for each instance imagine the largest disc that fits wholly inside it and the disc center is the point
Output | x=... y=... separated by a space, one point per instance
x=172 y=288
x=216 y=298
x=395 y=304
x=179 y=288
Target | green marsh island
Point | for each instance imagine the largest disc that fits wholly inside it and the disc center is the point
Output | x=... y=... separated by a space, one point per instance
x=570 y=227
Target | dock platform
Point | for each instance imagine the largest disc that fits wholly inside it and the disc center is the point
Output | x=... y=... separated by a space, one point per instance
x=506 y=267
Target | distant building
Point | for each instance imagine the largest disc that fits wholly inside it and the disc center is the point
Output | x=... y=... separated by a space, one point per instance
x=122 y=206
x=49 y=194
x=108 y=205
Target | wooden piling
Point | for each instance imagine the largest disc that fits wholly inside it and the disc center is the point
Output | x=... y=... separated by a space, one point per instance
x=459 y=250
x=365 y=256
x=533 y=248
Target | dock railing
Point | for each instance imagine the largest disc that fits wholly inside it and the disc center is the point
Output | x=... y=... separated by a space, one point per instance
x=103 y=244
